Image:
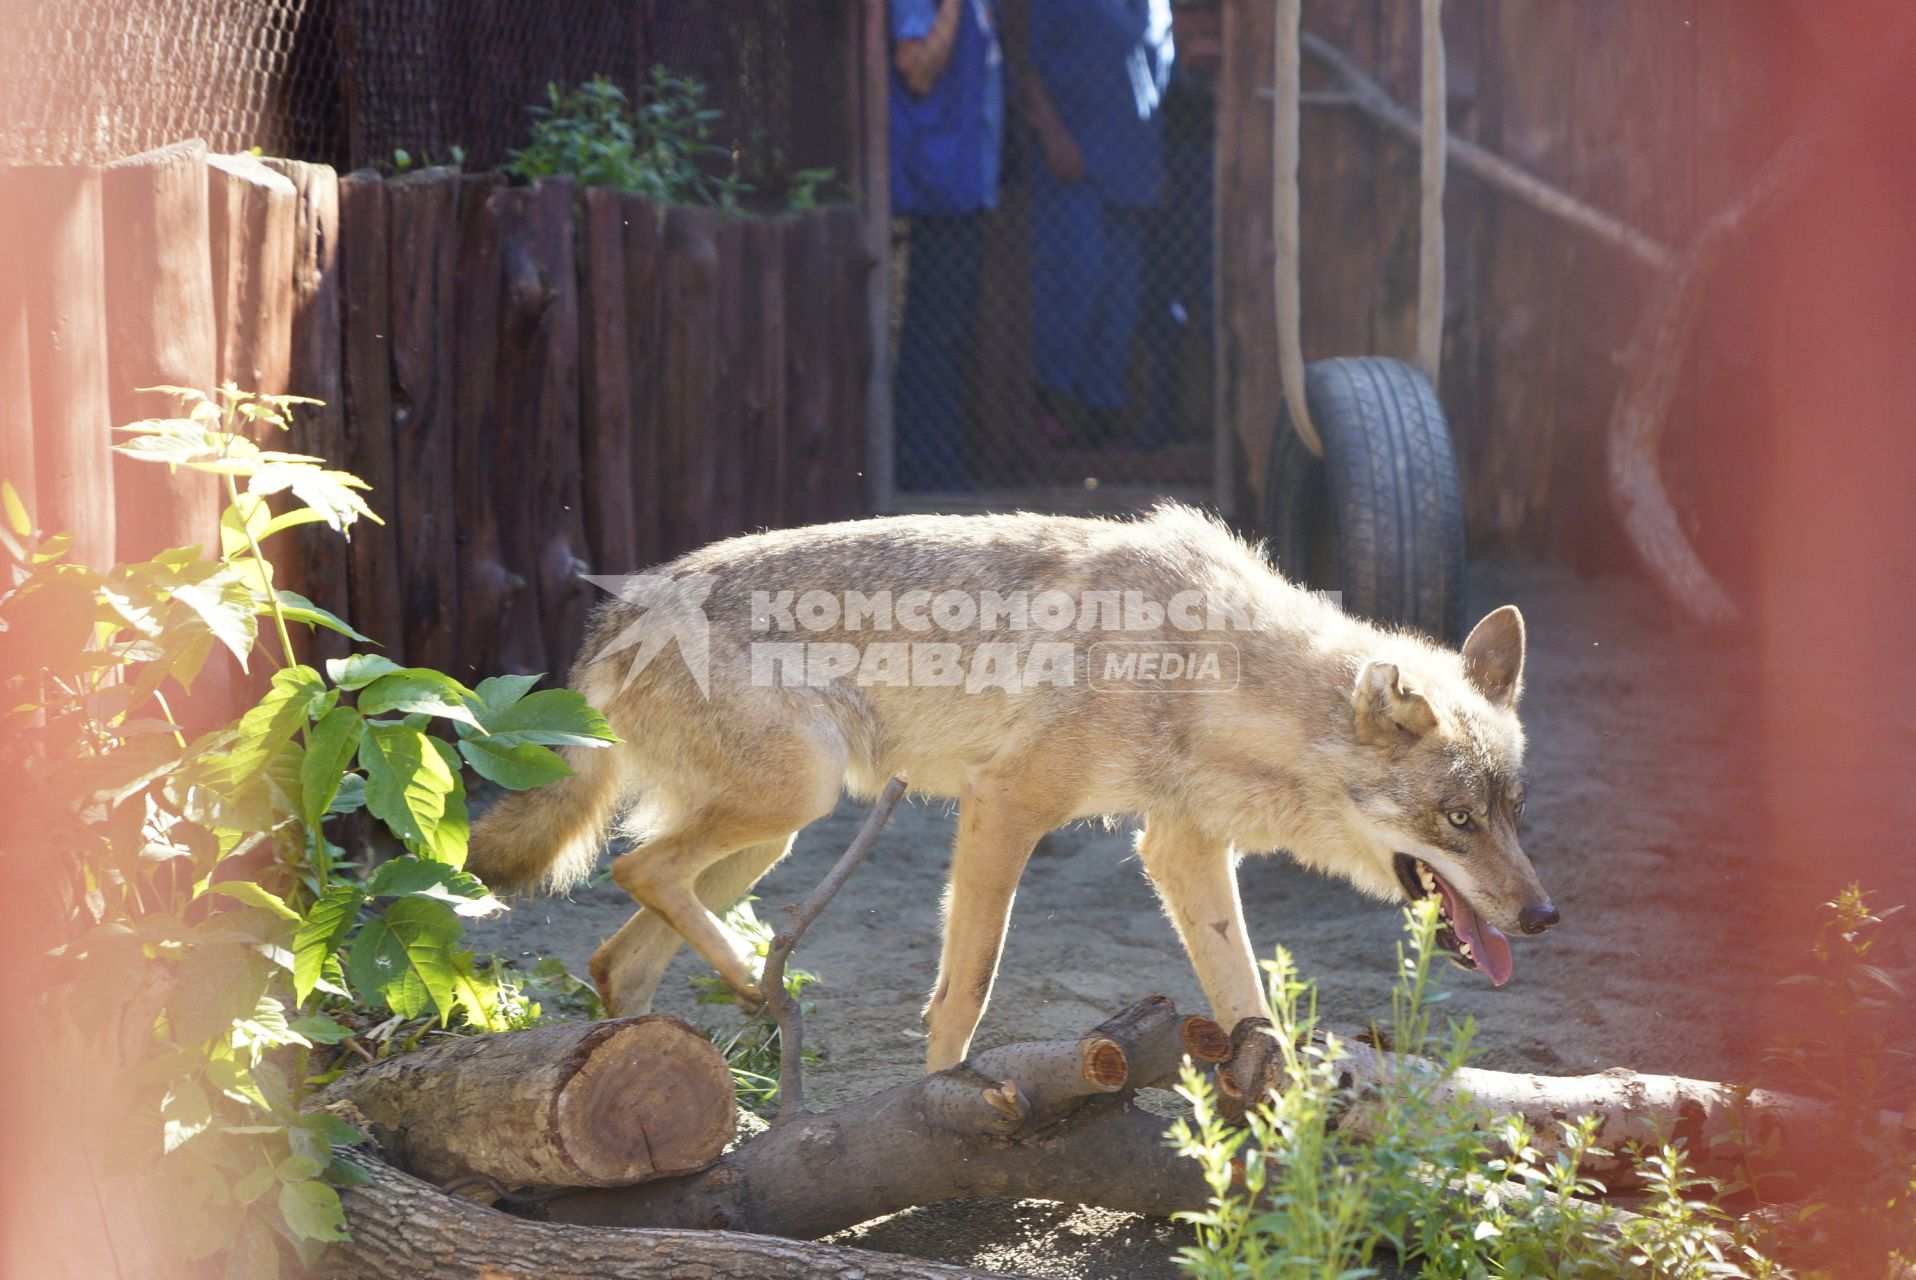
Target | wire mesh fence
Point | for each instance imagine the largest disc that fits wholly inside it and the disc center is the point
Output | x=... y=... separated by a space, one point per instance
x=1053 y=327
x=349 y=82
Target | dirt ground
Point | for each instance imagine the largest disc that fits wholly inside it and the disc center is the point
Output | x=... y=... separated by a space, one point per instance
x=1644 y=802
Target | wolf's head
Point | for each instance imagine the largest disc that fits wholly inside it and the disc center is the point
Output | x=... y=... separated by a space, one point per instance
x=1438 y=805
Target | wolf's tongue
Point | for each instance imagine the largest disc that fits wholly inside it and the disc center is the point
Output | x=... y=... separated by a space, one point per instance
x=1489 y=946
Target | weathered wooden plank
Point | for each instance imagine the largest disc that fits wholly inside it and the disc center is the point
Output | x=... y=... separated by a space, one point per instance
x=1509 y=476
x=63 y=275
x=252 y=216
x=606 y=428
x=422 y=237
x=312 y=559
x=722 y=446
x=871 y=63
x=808 y=339
x=365 y=298
x=646 y=278
x=688 y=372
x=160 y=331
x=846 y=486
x=544 y=536
x=16 y=406
x=762 y=367
x=488 y=590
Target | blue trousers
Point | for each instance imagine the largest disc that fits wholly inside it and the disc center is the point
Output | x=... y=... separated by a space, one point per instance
x=934 y=347
x=1086 y=260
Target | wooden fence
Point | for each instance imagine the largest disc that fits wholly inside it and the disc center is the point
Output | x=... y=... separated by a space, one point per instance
x=538 y=382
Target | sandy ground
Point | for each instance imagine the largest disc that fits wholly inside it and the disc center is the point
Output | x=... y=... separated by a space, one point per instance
x=1643 y=805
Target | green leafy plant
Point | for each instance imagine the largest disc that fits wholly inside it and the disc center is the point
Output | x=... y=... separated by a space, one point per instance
x=1868 y=1208
x=210 y=922
x=664 y=149
x=752 y=1048
x=404 y=161
x=1293 y=1195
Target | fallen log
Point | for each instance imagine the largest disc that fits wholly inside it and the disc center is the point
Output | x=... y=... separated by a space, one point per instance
x=404 y=1229
x=1052 y=1119
x=1633 y=1110
x=586 y=1104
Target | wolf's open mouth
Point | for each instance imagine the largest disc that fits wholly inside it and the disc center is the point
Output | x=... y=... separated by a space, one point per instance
x=1476 y=942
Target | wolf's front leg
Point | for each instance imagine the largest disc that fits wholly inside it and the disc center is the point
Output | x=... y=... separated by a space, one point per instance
x=997 y=830
x=1196 y=876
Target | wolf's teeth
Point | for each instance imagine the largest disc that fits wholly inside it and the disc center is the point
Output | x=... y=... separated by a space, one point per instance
x=1464 y=947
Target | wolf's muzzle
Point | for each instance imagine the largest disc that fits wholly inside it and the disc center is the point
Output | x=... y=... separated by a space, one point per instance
x=1538 y=916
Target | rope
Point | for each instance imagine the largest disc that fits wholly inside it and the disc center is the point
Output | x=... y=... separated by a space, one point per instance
x=1430 y=215
x=1287 y=268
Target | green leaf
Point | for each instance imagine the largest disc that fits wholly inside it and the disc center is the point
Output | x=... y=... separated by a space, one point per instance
x=420 y=690
x=225 y=604
x=351 y=797
x=408 y=786
x=496 y=693
x=518 y=768
x=254 y=1185
x=329 y=750
x=330 y=919
x=311 y=1211
x=220 y=983
x=185 y=1113
x=17 y=518
x=253 y=895
x=552 y=718
x=321 y=1029
x=359 y=670
x=344 y=1173
x=270 y=725
x=405 y=958
x=330 y=1129
x=297 y=608
x=419 y=878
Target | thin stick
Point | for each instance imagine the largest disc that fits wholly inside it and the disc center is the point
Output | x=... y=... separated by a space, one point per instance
x=784 y=1009
x=1364 y=94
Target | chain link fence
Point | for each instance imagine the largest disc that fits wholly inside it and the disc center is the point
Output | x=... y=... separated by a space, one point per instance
x=349 y=82
x=1055 y=348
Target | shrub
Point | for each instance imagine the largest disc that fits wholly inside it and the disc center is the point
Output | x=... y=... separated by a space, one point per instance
x=663 y=151
x=1294 y=1197
x=207 y=914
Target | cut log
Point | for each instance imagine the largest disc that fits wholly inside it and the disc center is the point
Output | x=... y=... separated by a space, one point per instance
x=160 y=332
x=422 y=212
x=16 y=406
x=64 y=279
x=364 y=296
x=589 y=1104
x=605 y=382
x=312 y=559
x=1632 y=1108
x=403 y=1229
x=1055 y=1119
x=486 y=586
x=252 y=214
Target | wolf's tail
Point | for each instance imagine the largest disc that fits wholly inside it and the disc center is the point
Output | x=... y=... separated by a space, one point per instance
x=549 y=837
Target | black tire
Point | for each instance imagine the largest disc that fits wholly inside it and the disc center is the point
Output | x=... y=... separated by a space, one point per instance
x=1381 y=516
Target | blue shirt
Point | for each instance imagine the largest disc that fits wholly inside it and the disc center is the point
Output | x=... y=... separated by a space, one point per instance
x=945 y=146
x=1105 y=65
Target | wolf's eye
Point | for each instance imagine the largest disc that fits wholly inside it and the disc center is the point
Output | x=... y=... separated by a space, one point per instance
x=1517 y=809
x=1458 y=817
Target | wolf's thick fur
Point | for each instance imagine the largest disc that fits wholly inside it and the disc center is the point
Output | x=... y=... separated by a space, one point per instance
x=1342 y=743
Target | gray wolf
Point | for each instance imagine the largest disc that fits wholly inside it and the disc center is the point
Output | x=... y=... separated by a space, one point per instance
x=1367 y=753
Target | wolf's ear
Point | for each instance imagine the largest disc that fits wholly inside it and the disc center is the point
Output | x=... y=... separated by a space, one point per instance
x=1387 y=708
x=1493 y=656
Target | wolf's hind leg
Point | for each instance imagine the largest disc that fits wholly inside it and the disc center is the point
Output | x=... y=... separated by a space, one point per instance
x=995 y=838
x=627 y=966
x=1196 y=877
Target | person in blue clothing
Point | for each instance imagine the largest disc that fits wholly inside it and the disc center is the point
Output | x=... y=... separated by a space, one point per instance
x=1100 y=71
x=947 y=127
